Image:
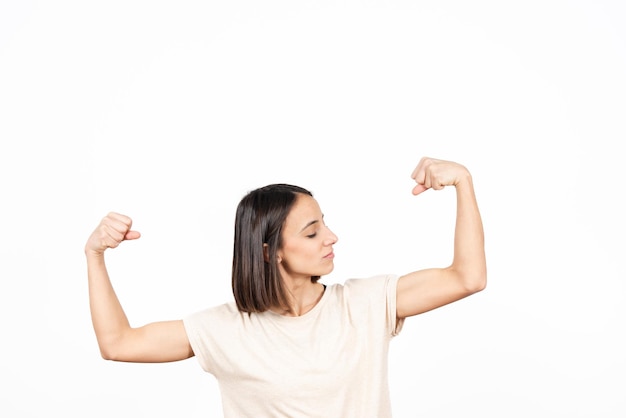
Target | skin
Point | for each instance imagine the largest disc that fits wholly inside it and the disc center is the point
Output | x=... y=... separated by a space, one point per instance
x=424 y=290
x=307 y=251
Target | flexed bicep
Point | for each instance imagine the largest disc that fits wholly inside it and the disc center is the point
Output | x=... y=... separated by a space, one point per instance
x=156 y=342
x=424 y=290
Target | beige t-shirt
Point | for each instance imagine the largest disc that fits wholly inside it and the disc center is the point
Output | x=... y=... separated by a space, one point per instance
x=329 y=363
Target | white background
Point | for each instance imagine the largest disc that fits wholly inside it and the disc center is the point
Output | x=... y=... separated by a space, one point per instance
x=170 y=111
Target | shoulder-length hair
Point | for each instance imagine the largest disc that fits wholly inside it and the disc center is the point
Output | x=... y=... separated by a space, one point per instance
x=261 y=214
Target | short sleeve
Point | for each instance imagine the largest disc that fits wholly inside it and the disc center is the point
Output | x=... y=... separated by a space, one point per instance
x=376 y=296
x=211 y=333
x=194 y=327
x=395 y=323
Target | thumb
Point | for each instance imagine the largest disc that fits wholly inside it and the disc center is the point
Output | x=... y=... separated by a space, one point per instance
x=131 y=235
x=419 y=188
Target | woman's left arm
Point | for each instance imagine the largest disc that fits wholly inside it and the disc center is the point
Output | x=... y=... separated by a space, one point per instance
x=424 y=290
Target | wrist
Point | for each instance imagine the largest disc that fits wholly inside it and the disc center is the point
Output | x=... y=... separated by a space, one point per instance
x=93 y=254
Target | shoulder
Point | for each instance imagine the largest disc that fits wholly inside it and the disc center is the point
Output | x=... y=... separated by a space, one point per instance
x=380 y=282
x=371 y=301
x=366 y=288
x=224 y=312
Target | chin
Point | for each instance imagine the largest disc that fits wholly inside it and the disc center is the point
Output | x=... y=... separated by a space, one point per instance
x=326 y=271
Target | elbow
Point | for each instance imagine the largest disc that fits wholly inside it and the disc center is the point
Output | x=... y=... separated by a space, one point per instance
x=476 y=282
x=109 y=350
x=107 y=353
x=478 y=285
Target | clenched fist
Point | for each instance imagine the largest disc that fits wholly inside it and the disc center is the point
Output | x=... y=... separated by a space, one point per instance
x=112 y=230
x=437 y=174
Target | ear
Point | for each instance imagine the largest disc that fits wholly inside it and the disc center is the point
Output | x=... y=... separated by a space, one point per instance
x=266 y=255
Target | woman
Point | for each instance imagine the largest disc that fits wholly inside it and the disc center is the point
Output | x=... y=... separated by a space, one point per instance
x=289 y=346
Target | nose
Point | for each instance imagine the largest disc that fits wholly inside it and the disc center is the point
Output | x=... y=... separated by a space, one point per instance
x=331 y=238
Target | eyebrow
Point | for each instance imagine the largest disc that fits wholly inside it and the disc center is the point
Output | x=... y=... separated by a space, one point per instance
x=313 y=222
x=309 y=224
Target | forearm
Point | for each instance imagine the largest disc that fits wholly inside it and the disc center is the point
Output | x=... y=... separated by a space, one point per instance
x=107 y=315
x=469 y=246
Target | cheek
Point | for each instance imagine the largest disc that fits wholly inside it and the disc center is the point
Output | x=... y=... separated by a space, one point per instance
x=297 y=254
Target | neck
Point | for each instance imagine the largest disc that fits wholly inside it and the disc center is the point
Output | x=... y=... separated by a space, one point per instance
x=303 y=296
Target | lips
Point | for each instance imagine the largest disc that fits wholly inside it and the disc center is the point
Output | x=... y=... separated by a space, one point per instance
x=330 y=255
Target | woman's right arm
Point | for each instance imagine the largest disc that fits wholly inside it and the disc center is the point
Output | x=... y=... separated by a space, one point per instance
x=152 y=343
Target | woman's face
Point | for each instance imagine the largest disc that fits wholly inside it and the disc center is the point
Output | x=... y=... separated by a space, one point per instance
x=307 y=248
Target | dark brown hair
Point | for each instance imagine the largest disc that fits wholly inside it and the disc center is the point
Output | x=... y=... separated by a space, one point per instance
x=261 y=214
